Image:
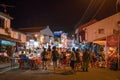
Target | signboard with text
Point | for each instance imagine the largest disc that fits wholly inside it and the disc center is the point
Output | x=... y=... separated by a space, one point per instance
x=112 y=41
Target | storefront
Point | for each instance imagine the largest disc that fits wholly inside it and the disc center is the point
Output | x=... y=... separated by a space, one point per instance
x=8 y=45
x=110 y=50
x=112 y=43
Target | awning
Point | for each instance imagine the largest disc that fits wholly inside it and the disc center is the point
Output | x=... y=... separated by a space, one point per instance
x=100 y=42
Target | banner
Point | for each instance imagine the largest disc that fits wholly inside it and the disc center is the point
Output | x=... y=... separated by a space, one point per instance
x=112 y=41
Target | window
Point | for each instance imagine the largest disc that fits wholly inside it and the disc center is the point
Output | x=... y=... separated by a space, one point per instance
x=115 y=31
x=101 y=31
x=1 y=23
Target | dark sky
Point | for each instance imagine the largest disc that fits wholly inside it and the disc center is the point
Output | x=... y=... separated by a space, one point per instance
x=58 y=14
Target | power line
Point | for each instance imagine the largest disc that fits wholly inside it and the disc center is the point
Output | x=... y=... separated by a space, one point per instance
x=86 y=11
x=117 y=4
x=98 y=10
x=90 y=7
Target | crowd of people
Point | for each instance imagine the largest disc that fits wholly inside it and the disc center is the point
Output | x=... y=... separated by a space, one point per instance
x=62 y=58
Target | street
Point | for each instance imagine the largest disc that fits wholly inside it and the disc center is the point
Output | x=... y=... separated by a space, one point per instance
x=92 y=74
x=59 y=39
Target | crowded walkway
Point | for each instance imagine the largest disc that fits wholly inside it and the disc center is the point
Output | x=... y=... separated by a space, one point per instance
x=62 y=58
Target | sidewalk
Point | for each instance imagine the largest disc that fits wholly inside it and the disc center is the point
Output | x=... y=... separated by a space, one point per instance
x=6 y=67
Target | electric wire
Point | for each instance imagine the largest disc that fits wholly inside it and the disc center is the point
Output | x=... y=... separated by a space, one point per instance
x=98 y=10
x=90 y=4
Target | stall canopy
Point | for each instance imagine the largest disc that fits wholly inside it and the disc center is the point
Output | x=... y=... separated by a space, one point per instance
x=100 y=42
x=46 y=32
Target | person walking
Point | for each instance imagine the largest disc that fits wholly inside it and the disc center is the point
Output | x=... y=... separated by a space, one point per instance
x=77 y=63
x=55 y=57
x=86 y=58
x=44 y=59
x=49 y=51
x=73 y=60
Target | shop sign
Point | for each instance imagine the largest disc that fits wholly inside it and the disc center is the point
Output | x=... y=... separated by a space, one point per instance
x=112 y=41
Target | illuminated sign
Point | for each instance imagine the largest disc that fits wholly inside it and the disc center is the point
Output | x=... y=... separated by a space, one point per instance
x=7 y=43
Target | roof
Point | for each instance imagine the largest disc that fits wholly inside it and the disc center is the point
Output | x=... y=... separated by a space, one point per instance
x=5 y=15
x=80 y=28
x=31 y=29
x=47 y=32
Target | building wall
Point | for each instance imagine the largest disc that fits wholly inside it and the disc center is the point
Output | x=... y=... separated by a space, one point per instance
x=108 y=24
x=18 y=35
x=2 y=31
x=6 y=22
x=13 y=34
x=23 y=38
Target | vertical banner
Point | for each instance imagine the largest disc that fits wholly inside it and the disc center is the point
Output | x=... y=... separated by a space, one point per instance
x=112 y=41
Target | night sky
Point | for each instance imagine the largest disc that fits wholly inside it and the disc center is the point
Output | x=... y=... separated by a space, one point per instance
x=58 y=14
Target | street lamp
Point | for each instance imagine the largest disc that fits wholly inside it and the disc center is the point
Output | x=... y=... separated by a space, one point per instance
x=36 y=35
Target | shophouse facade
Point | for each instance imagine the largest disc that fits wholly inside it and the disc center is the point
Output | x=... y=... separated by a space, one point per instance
x=9 y=38
x=98 y=33
x=101 y=29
